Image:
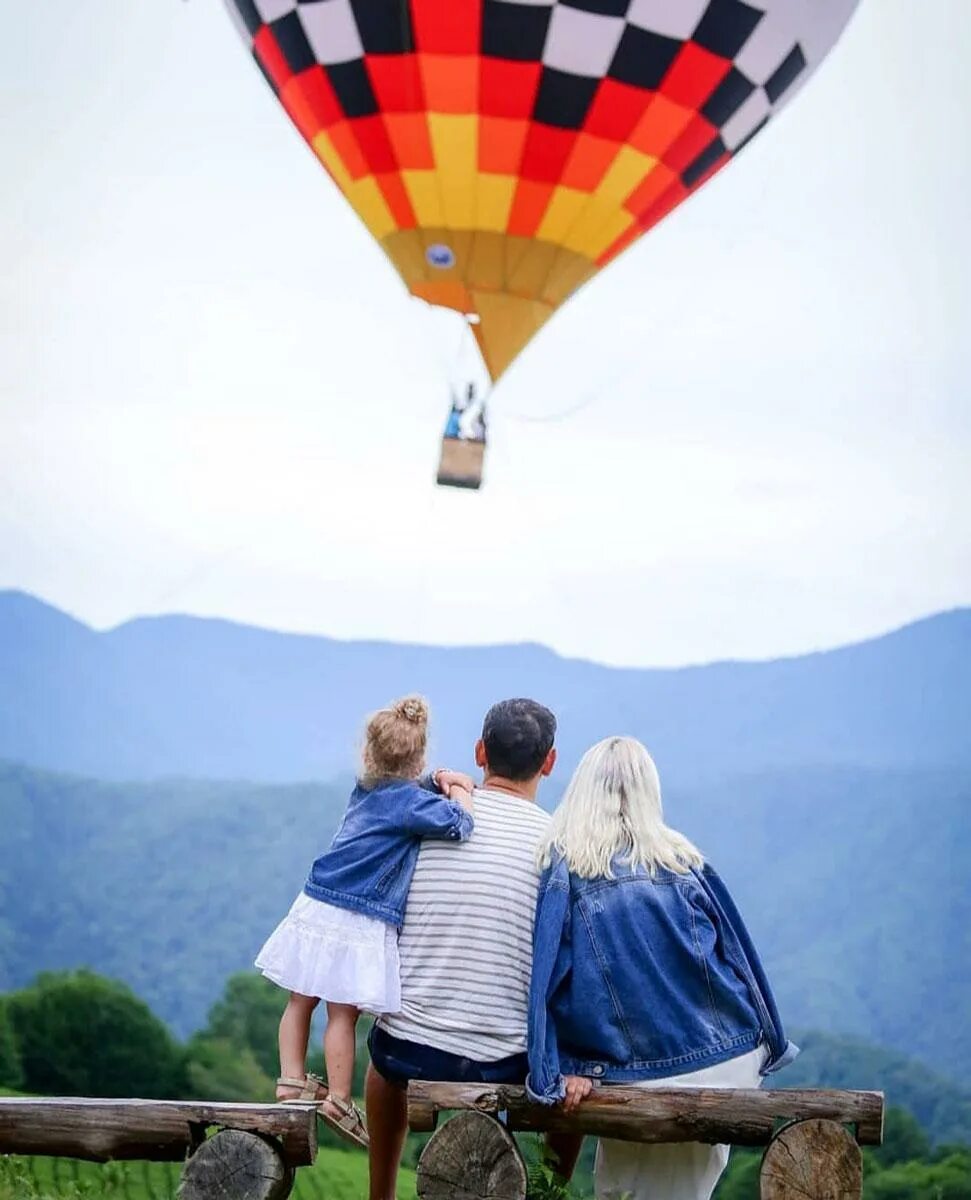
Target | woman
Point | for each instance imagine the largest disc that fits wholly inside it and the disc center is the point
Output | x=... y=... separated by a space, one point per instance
x=643 y=972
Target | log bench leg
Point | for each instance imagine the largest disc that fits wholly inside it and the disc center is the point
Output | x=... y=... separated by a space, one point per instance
x=472 y=1157
x=812 y=1160
x=233 y=1165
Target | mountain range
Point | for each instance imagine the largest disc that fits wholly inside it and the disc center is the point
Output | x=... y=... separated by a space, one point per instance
x=164 y=696
x=831 y=790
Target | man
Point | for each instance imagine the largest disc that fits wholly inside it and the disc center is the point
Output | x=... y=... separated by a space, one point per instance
x=466 y=946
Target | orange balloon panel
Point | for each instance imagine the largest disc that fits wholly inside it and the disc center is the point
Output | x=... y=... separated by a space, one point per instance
x=503 y=151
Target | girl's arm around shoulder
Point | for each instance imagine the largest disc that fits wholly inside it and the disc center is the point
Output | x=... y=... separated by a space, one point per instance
x=462 y=795
x=428 y=814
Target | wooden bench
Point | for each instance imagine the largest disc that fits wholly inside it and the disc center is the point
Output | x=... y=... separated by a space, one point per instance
x=255 y=1146
x=812 y=1138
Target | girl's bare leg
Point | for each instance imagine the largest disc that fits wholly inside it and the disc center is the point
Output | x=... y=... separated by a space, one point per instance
x=340 y=1048
x=294 y=1035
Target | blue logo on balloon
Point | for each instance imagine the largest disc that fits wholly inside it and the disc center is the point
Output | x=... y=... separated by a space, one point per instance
x=440 y=256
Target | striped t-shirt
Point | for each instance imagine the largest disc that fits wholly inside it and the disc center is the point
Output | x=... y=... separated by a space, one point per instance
x=466 y=945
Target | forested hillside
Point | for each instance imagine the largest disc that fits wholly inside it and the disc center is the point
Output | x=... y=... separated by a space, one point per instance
x=853 y=882
x=184 y=696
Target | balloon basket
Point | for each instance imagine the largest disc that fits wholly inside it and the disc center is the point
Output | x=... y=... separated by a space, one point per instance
x=461 y=463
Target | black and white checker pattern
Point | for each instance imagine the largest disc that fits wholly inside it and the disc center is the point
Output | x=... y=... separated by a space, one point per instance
x=774 y=45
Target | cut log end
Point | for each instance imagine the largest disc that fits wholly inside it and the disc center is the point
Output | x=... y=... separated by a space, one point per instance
x=233 y=1163
x=472 y=1157
x=812 y=1160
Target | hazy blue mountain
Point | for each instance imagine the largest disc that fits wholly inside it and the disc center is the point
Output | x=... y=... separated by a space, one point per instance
x=204 y=698
x=853 y=882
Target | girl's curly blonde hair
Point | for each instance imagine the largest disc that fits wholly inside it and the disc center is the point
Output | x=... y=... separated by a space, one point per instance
x=396 y=738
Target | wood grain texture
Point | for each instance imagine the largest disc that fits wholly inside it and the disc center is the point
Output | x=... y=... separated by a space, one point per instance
x=812 y=1160
x=156 y=1130
x=742 y=1117
x=243 y=1166
x=472 y=1157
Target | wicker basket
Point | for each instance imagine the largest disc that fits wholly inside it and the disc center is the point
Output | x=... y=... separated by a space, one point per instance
x=461 y=463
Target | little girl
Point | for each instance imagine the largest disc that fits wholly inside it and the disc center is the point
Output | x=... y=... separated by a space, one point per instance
x=339 y=941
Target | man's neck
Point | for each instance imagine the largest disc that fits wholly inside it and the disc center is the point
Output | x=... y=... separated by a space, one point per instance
x=524 y=789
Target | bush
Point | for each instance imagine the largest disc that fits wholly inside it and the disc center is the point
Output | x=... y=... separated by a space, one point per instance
x=217 y=1069
x=11 y=1071
x=248 y=1015
x=82 y=1035
x=947 y=1178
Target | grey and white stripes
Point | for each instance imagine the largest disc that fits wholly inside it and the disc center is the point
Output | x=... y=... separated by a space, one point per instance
x=466 y=945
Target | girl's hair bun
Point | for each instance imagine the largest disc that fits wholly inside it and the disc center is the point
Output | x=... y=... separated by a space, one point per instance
x=396 y=739
x=414 y=709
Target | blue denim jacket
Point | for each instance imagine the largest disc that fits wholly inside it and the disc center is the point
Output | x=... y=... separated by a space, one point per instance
x=371 y=860
x=643 y=977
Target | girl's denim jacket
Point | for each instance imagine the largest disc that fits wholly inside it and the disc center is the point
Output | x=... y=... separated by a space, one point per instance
x=643 y=977
x=371 y=860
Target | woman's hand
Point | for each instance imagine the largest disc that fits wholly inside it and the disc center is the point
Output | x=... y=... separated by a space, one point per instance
x=445 y=779
x=578 y=1087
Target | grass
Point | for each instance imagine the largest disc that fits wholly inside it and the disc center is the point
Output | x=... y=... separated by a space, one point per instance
x=336 y=1175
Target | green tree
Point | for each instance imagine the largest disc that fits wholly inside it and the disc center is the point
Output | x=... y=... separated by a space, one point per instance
x=11 y=1072
x=248 y=1015
x=947 y=1178
x=903 y=1139
x=80 y=1034
x=218 y=1069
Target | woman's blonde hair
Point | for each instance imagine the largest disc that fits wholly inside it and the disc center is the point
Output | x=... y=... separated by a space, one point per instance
x=612 y=806
x=395 y=740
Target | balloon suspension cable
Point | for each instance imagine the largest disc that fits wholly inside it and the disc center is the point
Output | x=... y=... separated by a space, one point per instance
x=552 y=418
x=595 y=395
x=476 y=390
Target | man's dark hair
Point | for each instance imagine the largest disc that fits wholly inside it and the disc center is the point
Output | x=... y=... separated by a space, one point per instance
x=517 y=735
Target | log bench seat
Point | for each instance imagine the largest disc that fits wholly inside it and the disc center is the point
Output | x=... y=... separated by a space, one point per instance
x=812 y=1137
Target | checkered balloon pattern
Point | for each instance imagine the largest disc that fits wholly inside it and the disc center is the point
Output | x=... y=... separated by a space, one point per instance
x=503 y=151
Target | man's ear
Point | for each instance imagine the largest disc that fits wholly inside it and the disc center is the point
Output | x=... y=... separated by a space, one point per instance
x=480 y=755
x=548 y=764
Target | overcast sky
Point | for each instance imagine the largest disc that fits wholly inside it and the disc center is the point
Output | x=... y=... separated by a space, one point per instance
x=216 y=396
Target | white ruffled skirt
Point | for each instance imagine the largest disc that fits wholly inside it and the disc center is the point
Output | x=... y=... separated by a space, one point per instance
x=337 y=955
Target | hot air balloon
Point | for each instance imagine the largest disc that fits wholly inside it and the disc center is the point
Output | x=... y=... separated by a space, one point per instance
x=503 y=151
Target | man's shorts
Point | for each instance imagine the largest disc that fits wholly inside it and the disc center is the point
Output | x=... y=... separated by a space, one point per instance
x=399 y=1062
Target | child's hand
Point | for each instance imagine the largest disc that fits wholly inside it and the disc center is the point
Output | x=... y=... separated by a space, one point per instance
x=445 y=780
x=461 y=795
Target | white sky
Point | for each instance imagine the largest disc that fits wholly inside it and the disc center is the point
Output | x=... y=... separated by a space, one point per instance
x=216 y=396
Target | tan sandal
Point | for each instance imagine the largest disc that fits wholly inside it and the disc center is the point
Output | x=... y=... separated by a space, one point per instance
x=312 y=1089
x=349 y=1125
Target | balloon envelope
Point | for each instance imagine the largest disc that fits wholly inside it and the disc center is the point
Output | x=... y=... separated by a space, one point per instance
x=503 y=151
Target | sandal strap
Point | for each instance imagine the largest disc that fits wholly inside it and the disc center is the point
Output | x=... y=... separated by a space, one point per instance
x=310 y=1086
x=351 y=1115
